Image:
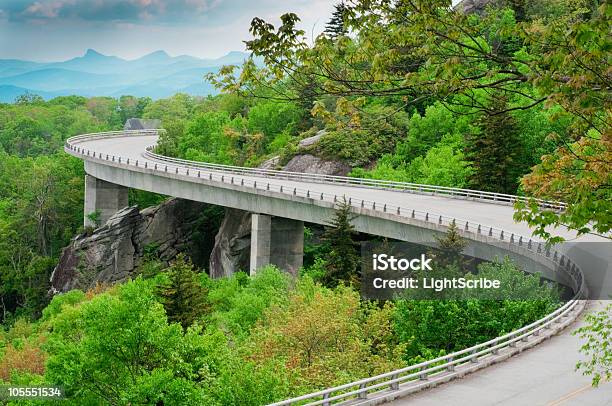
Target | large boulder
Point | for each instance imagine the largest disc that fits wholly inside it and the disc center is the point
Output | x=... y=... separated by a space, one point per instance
x=307 y=163
x=113 y=252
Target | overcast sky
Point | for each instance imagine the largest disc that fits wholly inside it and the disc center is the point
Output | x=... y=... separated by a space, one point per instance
x=54 y=30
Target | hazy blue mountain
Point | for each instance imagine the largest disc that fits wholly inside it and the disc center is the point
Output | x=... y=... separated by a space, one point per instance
x=11 y=67
x=155 y=75
x=92 y=62
x=9 y=93
x=54 y=79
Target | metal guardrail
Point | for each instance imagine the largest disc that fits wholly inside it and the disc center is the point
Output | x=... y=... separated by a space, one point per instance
x=362 y=182
x=394 y=380
x=332 y=179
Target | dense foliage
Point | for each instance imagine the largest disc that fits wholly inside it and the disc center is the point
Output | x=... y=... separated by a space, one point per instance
x=256 y=340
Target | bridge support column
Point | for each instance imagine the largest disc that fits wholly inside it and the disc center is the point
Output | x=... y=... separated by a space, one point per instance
x=277 y=241
x=261 y=236
x=105 y=197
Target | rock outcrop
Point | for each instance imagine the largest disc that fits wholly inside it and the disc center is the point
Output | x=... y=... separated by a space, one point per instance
x=113 y=252
x=306 y=142
x=307 y=163
x=232 y=244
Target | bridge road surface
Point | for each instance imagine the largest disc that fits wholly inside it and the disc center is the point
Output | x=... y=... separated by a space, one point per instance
x=543 y=375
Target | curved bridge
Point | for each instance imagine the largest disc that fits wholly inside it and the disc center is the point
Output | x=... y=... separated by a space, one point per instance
x=282 y=201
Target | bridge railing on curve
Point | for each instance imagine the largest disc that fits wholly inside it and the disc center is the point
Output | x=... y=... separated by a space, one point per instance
x=363 y=182
x=394 y=380
x=319 y=178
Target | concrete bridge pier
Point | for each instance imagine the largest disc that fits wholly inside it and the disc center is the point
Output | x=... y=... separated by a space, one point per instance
x=105 y=197
x=277 y=241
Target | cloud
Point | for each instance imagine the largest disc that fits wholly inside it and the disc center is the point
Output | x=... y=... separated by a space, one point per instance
x=52 y=30
x=162 y=11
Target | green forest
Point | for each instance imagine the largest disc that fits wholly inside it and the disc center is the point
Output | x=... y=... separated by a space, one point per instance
x=513 y=99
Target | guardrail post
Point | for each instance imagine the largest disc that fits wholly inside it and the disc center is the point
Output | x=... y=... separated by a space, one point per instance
x=495 y=351
x=294 y=191
x=427 y=216
x=512 y=237
x=268 y=186
x=501 y=235
x=467 y=226
x=166 y=168
x=450 y=368
x=364 y=394
x=412 y=214
x=374 y=206
x=490 y=232
x=479 y=230
x=199 y=174
x=398 y=211
x=326 y=396
x=321 y=196
x=281 y=189
x=232 y=180
x=440 y=220
x=137 y=162
x=423 y=376
x=187 y=171
x=385 y=208
x=474 y=358
x=394 y=385
x=521 y=240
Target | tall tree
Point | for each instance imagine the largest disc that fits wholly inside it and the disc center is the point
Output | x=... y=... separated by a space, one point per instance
x=343 y=259
x=450 y=248
x=336 y=26
x=495 y=151
x=183 y=297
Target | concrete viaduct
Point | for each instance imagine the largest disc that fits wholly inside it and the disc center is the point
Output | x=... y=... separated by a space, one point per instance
x=281 y=202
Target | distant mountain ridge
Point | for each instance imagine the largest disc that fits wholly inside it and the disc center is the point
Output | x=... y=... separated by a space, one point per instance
x=155 y=75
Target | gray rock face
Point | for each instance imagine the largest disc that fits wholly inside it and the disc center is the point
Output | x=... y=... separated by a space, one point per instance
x=475 y=6
x=311 y=164
x=312 y=140
x=270 y=163
x=142 y=124
x=114 y=251
x=232 y=244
